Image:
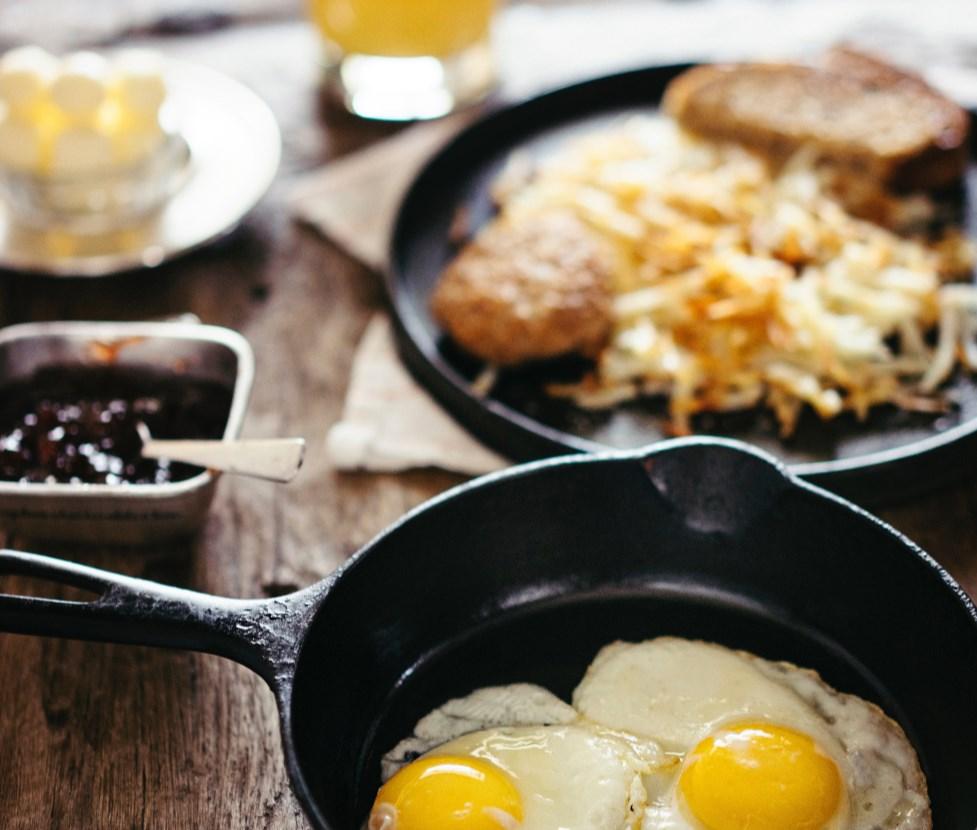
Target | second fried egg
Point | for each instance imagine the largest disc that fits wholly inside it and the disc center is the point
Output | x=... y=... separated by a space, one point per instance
x=762 y=745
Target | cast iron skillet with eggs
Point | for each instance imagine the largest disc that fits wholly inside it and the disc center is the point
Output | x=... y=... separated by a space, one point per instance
x=524 y=576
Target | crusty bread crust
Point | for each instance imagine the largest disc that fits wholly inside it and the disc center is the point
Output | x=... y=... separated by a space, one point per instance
x=945 y=158
x=856 y=110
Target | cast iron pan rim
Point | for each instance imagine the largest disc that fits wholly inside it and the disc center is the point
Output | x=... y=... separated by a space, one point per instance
x=297 y=774
x=640 y=456
x=424 y=359
x=669 y=445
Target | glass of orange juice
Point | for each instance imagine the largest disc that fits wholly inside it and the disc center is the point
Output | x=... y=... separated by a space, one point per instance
x=406 y=59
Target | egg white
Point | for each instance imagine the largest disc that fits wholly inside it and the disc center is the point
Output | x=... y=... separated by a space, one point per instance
x=573 y=777
x=518 y=704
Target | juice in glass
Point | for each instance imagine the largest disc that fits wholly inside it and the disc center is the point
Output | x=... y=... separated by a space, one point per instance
x=406 y=59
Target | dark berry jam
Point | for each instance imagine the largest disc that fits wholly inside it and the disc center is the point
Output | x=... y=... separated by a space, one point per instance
x=77 y=424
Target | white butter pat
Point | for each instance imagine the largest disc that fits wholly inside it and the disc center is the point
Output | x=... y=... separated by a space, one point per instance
x=81 y=83
x=138 y=143
x=25 y=74
x=139 y=79
x=81 y=150
x=20 y=144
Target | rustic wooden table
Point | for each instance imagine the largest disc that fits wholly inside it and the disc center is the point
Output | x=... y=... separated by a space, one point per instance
x=96 y=736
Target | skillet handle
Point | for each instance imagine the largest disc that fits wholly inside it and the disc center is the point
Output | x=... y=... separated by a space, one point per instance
x=261 y=634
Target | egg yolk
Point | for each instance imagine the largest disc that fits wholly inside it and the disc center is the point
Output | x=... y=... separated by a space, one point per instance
x=757 y=776
x=441 y=793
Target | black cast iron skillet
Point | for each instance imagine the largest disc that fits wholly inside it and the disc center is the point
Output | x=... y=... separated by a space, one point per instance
x=894 y=454
x=524 y=575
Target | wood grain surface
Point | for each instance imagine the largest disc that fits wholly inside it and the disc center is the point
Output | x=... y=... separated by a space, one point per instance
x=103 y=737
x=95 y=736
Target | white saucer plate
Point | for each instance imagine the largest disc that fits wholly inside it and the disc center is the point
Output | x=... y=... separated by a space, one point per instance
x=235 y=149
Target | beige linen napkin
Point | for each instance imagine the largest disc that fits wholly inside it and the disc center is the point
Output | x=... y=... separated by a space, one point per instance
x=354 y=200
x=389 y=422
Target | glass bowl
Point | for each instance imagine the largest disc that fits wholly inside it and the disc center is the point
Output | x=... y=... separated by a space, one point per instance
x=101 y=200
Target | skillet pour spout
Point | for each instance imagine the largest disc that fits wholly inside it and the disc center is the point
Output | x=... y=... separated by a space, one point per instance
x=522 y=576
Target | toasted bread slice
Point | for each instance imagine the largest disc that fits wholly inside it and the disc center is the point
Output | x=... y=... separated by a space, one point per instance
x=856 y=110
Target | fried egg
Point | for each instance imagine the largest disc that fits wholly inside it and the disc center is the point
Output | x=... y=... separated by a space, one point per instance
x=573 y=777
x=556 y=774
x=760 y=745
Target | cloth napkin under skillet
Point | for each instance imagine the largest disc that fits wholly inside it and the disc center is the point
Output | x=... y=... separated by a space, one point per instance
x=389 y=422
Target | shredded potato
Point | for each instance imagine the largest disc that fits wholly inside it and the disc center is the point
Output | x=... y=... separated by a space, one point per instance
x=739 y=286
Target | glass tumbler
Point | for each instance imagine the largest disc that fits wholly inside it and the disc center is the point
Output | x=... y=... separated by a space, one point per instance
x=400 y=60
